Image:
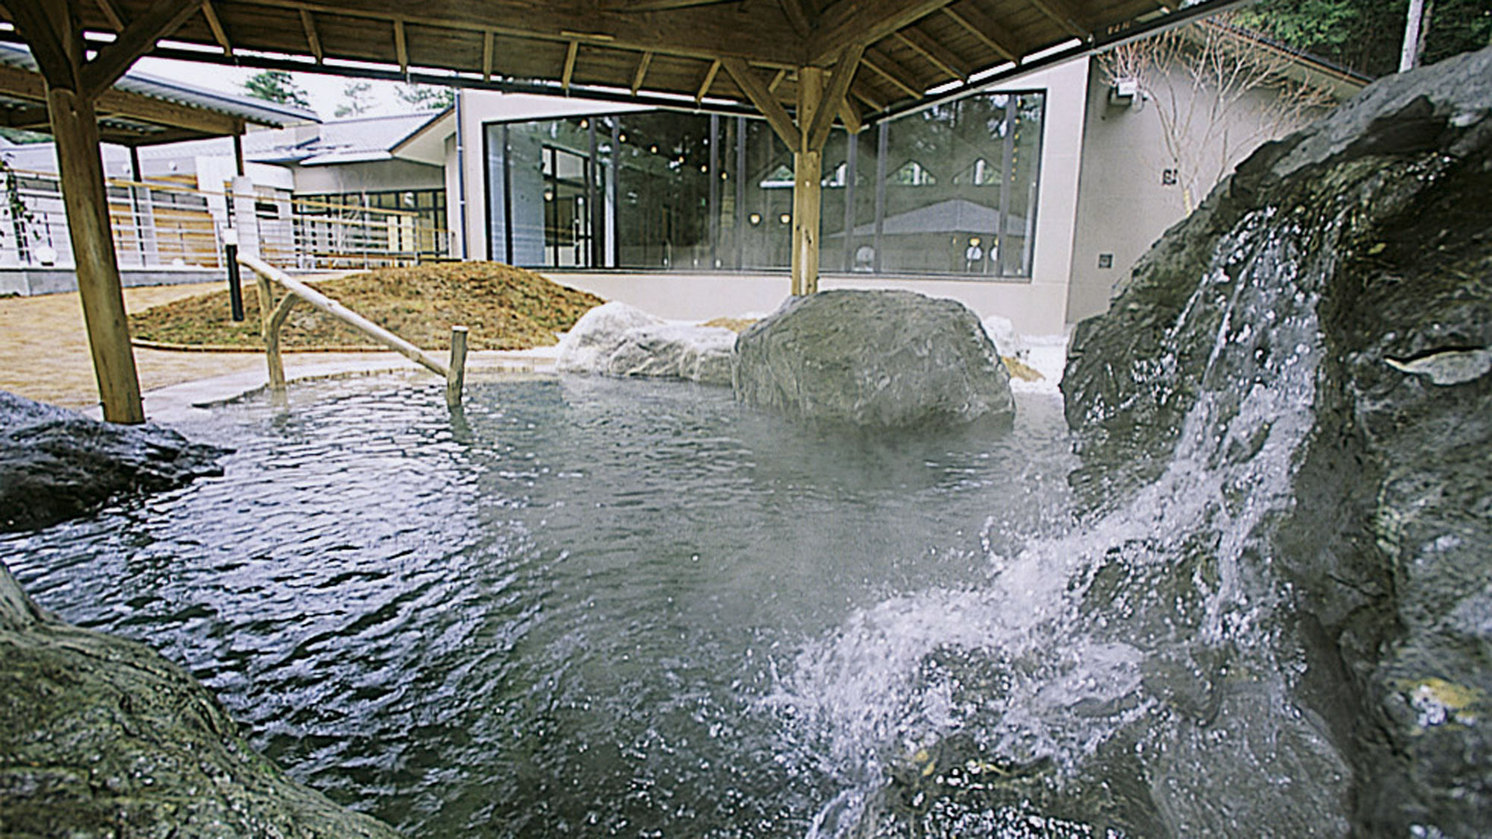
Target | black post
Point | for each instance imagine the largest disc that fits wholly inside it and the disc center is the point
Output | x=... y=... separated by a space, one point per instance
x=235 y=289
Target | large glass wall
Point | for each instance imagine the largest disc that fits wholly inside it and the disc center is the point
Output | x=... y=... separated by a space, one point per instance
x=949 y=190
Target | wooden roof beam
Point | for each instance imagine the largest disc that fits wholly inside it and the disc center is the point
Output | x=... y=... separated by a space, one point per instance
x=936 y=54
x=219 y=34
x=111 y=14
x=642 y=71
x=777 y=79
x=751 y=85
x=313 y=39
x=849 y=115
x=569 y=70
x=863 y=22
x=161 y=19
x=694 y=32
x=26 y=118
x=709 y=79
x=839 y=85
x=860 y=90
x=981 y=27
x=887 y=68
x=1064 y=16
x=797 y=16
x=487 y=38
x=401 y=46
x=47 y=44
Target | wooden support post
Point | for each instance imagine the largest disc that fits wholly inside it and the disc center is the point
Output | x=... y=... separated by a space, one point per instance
x=75 y=128
x=807 y=192
x=456 y=370
x=270 y=332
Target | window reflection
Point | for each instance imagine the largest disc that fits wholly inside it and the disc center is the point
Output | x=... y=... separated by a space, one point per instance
x=951 y=189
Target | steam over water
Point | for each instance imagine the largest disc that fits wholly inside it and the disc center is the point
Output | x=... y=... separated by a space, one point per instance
x=599 y=607
x=592 y=607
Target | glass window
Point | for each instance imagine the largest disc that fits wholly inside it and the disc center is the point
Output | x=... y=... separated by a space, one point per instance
x=947 y=190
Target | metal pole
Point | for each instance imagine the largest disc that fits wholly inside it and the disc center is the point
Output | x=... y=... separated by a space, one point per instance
x=235 y=289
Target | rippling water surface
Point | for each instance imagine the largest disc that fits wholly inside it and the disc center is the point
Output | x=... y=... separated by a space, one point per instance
x=586 y=606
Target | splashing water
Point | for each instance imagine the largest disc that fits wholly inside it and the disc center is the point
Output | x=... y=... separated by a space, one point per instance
x=1152 y=624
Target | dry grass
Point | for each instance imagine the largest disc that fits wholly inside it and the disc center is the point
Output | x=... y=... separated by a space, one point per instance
x=505 y=308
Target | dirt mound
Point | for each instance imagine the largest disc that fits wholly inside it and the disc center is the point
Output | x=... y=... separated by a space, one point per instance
x=505 y=308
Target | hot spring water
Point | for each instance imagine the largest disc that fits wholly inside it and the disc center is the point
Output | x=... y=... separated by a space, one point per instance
x=599 y=607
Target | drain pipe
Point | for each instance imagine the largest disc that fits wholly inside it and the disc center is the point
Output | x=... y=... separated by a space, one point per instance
x=461 y=175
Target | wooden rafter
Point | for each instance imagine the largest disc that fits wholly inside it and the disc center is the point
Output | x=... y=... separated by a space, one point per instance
x=709 y=79
x=641 y=72
x=936 y=54
x=401 y=46
x=863 y=22
x=850 y=116
x=889 y=69
x=219 y=34
x=111 y=14
x=839 y=85
x=660 y=5
x=862 y=91
x=1063 y=15
x=975 y=23
x=569 y=71
x=313 y=40
x=777 y=79
x=764 y=100
x=797 y=16
x=27 y=118
x=161 y=19
x=487 y=39
x=47 y=45
x=694 y=32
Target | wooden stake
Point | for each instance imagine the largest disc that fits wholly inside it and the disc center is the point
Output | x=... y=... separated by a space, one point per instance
x=456 y=370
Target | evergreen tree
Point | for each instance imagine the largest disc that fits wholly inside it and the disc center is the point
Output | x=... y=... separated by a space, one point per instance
x=277 y=86
x=1366 y=35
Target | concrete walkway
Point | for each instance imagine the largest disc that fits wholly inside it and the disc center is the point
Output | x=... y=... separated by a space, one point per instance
x=44 y=356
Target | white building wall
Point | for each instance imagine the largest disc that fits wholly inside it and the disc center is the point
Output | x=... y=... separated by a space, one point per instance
x=1036 y=307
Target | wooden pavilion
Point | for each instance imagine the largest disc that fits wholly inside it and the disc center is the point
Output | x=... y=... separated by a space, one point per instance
x=801 y=64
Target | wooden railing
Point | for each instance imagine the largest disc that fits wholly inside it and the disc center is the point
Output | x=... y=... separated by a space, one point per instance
x=273 y=314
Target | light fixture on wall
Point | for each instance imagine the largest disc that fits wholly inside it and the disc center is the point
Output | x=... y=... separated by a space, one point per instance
x=755 y=218
x=785 y=218
x=1123 y=92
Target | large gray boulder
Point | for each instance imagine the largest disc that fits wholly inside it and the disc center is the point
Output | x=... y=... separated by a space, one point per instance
x=1314 y=342
x=875 y=360
x=101 y=737
x=56 y=463
x=615 y=339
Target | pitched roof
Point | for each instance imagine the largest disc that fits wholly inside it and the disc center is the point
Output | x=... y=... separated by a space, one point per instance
x=141 y=108
x=357 y=140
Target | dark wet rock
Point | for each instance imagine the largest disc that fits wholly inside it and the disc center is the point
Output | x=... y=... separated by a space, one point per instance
x=1350 y=267
x=56 y=464
x=875 y=360
x=101 y=737
x=615 y=339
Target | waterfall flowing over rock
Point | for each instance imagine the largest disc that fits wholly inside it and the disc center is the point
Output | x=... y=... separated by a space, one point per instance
x=1313 y=341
